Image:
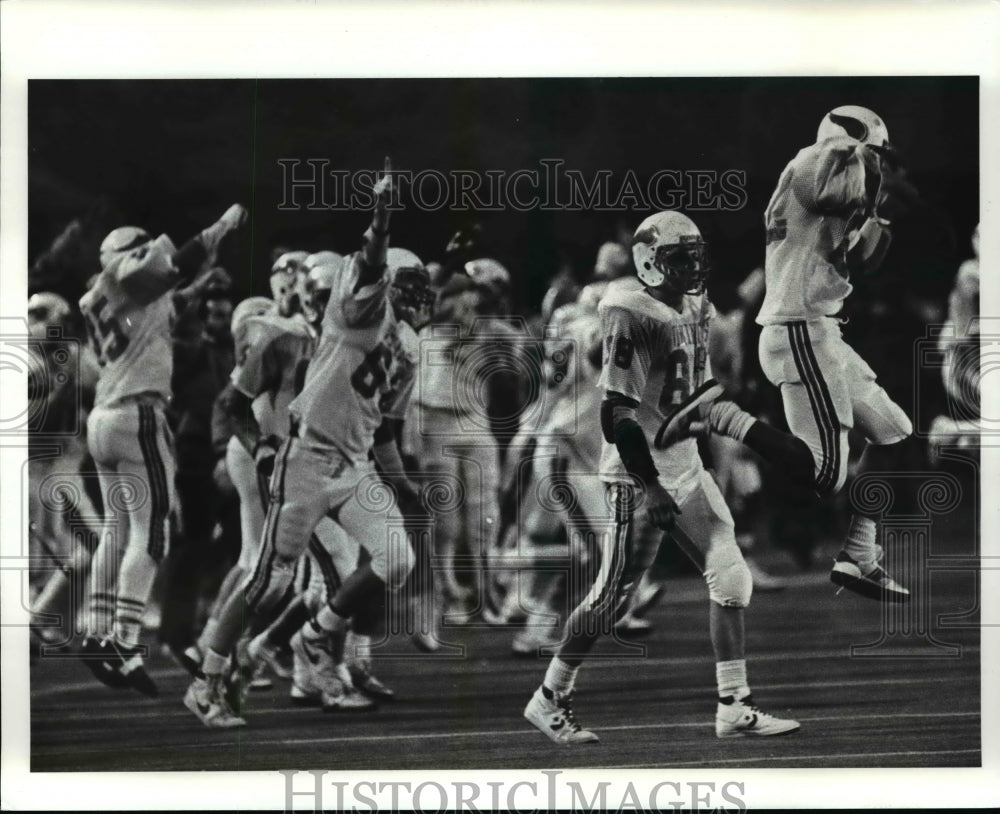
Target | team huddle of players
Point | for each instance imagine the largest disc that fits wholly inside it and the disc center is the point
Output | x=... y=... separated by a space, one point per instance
x=359 y=362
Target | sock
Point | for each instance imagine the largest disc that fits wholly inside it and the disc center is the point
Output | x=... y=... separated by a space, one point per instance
x=560 y=677
x=731 y=679
x=726 y=418
x=860 y=543
x=102 y=613
x=214 y=664
x=783 y=450
x=211 y=626
x=128 y=620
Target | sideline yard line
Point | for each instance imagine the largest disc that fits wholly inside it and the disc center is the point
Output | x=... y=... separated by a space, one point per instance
x=494 y=733
x=766 y=758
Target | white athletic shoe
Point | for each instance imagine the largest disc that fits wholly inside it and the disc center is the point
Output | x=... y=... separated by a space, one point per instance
x=678 y=425
x=553 y=716
x=206 y=700
x=875 y=584
x=744 y=718
x=260 y=680
x=343 y=696
x=261 y=649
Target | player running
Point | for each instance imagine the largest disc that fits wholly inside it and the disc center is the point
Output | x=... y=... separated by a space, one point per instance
x=655 y=366
x=828 y=219
x=128 y=313
x=322 y=468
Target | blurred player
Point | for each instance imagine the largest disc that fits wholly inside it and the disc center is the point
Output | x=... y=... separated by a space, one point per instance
x=128 y=313
x=655 y=365
x=827 y=219
x=319 y=470
x=60 y=388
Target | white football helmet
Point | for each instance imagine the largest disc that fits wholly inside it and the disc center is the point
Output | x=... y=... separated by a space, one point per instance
x=250 y=307
x=316 y=287
x=410 y=291
x=286 y=283
x=46 y=310
x=858 y=123
x=669 y=252
x=121 y=241
x=323 y=258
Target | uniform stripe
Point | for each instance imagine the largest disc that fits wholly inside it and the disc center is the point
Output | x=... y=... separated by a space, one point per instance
x=265 y=560
x=831 y=408
x=326 y=566
x=824 y=413
x=158 y=487
x=612 y=571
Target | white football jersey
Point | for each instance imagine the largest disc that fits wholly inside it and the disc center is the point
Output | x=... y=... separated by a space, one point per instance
x=657 y=357
x=820 y=197
x=273 y=369
x=354 y=367
x=129 y=316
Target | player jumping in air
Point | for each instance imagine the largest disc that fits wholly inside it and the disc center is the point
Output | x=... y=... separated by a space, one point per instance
x=318 y=471
x=828 y=219
x=655 y=368
x=128 y=313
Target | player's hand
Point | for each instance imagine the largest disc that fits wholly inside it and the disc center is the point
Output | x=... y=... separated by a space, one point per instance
x=383 y=190
x=234 y=217
x=662 y=508
x=216 y=277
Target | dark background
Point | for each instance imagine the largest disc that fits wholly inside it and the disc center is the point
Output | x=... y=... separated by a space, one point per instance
x=170 y=155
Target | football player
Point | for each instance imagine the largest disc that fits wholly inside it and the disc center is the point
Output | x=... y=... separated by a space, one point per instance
x=128 y=313
x=318 y=471
x=655 y=366
x=829 y=218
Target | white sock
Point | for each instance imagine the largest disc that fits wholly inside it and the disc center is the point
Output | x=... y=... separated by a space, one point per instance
x=726 y=418
x=860 y=543
x=206 y=635
x=214 y=664
x=731 y=679
x=560 y=677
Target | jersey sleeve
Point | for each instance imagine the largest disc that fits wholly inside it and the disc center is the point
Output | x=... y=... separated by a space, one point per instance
x=627 y=354
x=261 y=369
x=147 y=273
x=830 y=178
x=359 y=307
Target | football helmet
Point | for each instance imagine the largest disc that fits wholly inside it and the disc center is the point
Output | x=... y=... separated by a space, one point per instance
x=250 y=307
x=323 y=258
x=669 y=252
x=410 y=289
x=121 y=241
x=858 y=123
x=285 y=282
x=46 y=310
x=316 y=287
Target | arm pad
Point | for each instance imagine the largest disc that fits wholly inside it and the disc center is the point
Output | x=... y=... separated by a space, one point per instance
x=621 y=428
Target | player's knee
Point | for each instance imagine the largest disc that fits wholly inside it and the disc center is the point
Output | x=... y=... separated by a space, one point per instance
x=266 y=589
x=894 y=427
x=393 y=564
x=731 y=585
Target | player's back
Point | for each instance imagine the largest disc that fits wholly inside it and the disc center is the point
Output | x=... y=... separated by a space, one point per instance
x=807 y=220
x=351 y=369
x=131 y=338
x=657 y=356
x=274 y=367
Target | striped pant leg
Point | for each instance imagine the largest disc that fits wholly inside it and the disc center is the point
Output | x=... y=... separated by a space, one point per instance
x=817 y=407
